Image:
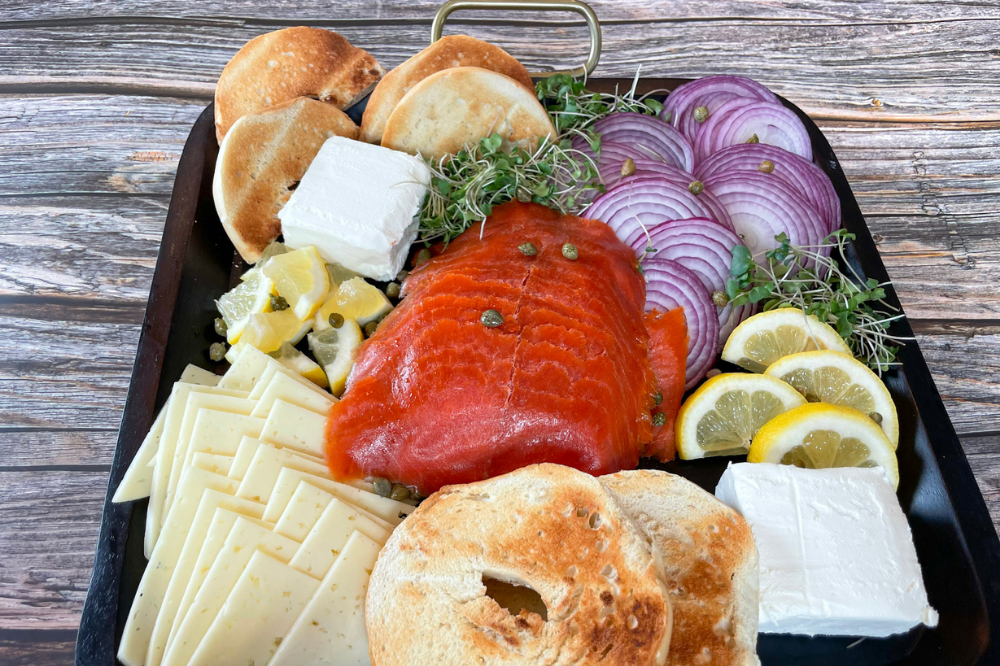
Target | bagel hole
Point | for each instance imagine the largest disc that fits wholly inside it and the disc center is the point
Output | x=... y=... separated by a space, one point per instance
x=515 y=597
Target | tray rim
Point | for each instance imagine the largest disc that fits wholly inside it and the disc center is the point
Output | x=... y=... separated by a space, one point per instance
x=102 y=603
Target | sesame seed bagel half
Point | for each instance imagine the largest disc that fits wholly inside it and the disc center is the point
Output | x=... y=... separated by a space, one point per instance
x=545 y=527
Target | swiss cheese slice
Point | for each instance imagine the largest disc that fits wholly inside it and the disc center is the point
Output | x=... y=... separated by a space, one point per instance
x=275 y=369
x=288 y=480
x=194 y=375
x=267 y=599
x=329 y=536
x=330 y=631
x=221 y=432
x=293 y=427
x=303 y=511
x=247 y=370
x=283 y=387
x=212 y=462
x=267 y=463
x=138 y=479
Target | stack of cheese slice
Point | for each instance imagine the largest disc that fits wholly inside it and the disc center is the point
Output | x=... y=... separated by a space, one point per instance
x=256 y=555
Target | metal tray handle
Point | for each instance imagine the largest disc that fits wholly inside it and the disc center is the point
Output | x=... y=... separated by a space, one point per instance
x=575 y=6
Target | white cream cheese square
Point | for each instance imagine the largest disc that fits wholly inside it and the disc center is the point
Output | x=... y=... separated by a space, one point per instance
x=836 y=553
x=359 y=205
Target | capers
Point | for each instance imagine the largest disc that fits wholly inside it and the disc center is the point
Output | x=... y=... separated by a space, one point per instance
x=659 y=419
x=370 y=328
x=712 y=373
x=336 y=319
x=696 y=187
x=701 y=114
x=392 y=290
x=753 y=139
x=570 y=252
x=399 y=492
x=876 y=417
x=382 y=487
x=415 y=495
x=278 y=303
x=221 y=328
x=528 y=249
x=767 y=166
x=628 y=167
x=492 y=319
x=217 y=351
x=402 y=275
x=657 y=398
x=422 y=256
x=720 y=299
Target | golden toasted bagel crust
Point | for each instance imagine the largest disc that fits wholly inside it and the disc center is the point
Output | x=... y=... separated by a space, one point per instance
x=447 y=52
x=710 y=560
x=457 y=107
x=262 y=156
x=549 y=527
x=295 y=62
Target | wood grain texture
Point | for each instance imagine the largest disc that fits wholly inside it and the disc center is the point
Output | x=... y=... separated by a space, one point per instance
x=97 y=98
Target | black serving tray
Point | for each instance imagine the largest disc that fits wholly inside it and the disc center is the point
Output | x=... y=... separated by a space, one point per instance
x=955 y=539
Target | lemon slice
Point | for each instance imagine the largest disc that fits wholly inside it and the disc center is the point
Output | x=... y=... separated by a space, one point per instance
x=335 y=349
x=764 y=338
x=290 y=357
x=840 y=379
x=300 y=277
x=273 y=248
x=353 y=299
x=820 y=436
x=252 y=296
x=338 y=275
x=268 y=330
x=723 y=415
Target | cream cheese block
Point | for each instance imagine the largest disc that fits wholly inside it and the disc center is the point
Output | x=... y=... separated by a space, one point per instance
x=836 y=553
x=359 y=205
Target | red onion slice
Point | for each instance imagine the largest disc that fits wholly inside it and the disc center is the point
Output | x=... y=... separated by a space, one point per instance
x=641 y=202
x=703 y=247
x=737 y=121
x=649 y=136
x=670 y=285
x=804 y=176
x=710 y=92
x=763 y=207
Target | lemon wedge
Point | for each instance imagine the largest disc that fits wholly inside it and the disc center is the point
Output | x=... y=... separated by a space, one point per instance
x=335 y=349
x=290 y=357
x=300 y=277
x=840 y=379
x=764 y=338
x=252 y=296
x=268 y=330
x=273 y=248
x=338 y=275
x=722 y=417
x=821 y=436
x=353 y=299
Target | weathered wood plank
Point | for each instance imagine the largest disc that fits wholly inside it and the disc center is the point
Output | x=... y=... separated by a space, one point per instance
x=984 y=457
x=833 y=70
x=32 y=447
x=37 y=648
x=48 y=530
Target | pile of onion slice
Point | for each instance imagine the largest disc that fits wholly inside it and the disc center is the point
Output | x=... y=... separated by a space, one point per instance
x=644 y=136
x=709 y=92
x=643 y=201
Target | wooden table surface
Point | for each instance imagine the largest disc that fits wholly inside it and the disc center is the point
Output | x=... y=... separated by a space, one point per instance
x=97 y=98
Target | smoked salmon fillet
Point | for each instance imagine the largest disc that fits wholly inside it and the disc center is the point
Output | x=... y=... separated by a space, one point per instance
x=436 y=397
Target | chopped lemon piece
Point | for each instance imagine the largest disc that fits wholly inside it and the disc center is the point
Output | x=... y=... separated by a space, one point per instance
x=296 y=361
x=252 y=296
x=723 y=415
x=300 y=277
x=764 y=338
x=267 y=331
x=273 y=248
x=354 y=299
x=338 y=275
x=335 y=349
x=821 y=436
x=840 y=379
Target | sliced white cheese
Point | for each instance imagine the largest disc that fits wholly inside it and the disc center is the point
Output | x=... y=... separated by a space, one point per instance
x=303 y=511
x=165 y=456
x=218 y=531
x=267 y=463
x=155 y=579
x=295 y=428
x=194 y=375
x=212 y=462
x=283 y=387
x=245 y=539
x=214 y=506
x=384 y=508
x=138 y=479
x=221 y=432
x=247 y=370
x=330 y=631
x=275 y=369
x=329 y=535
x=195 y=403
x=248 y=448
x=267 y=599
